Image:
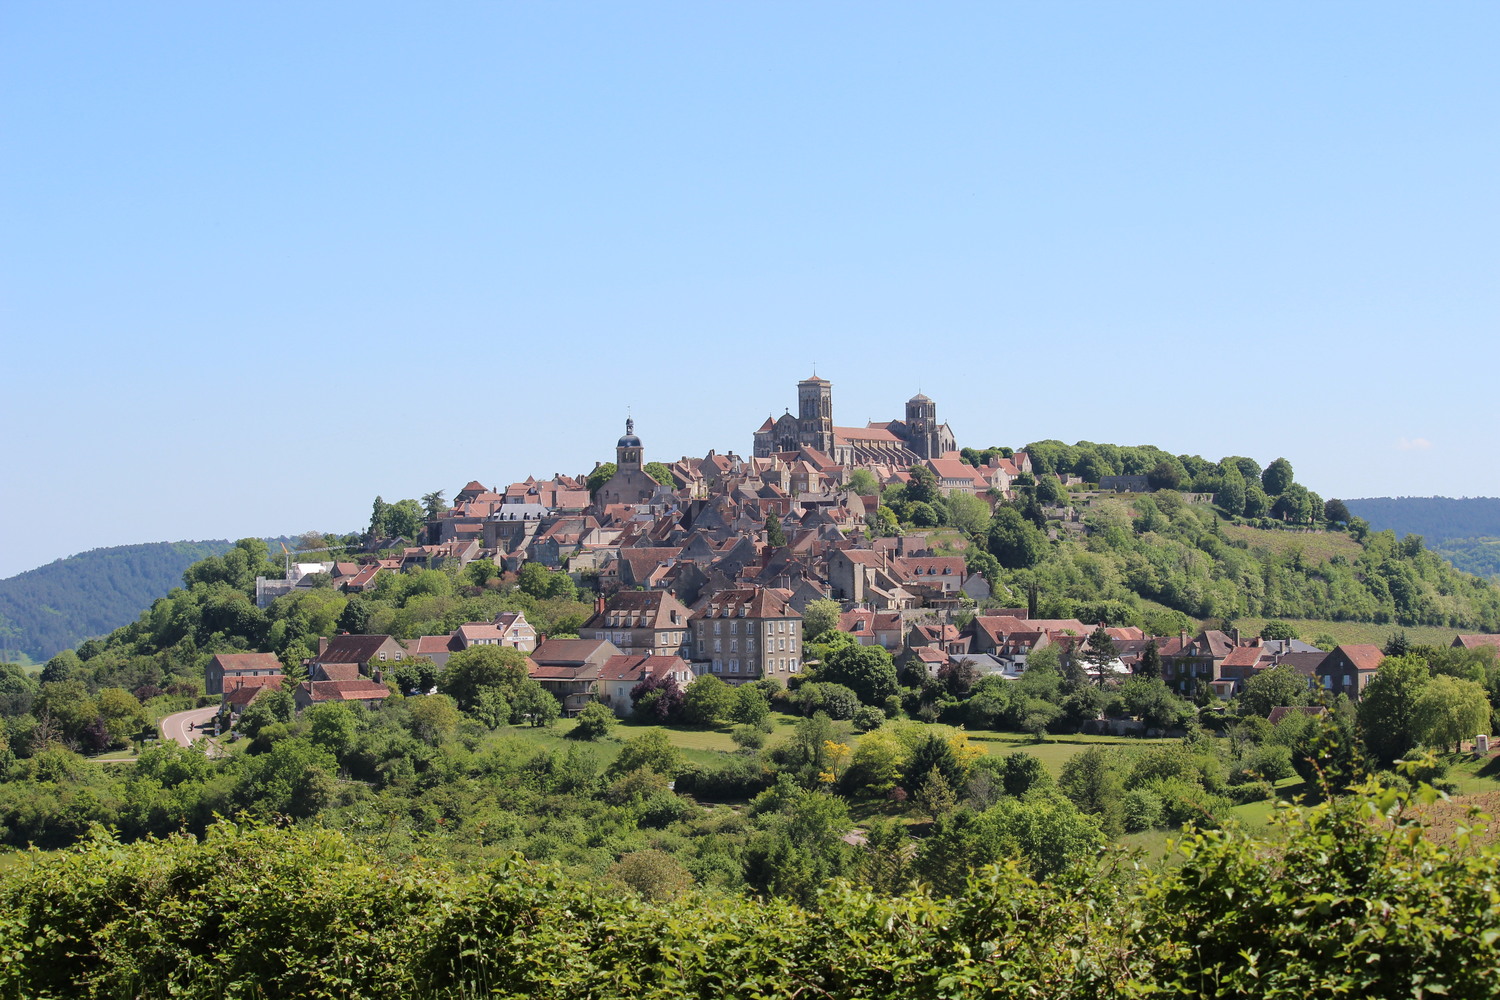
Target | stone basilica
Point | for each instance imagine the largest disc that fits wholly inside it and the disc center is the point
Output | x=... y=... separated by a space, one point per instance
x=894 y=442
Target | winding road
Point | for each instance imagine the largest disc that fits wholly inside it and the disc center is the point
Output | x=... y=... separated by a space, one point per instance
x=182 y=726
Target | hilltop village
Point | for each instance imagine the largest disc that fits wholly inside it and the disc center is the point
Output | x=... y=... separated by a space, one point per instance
x=706 y=566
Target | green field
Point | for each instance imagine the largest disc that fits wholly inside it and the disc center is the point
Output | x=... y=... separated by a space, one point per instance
x=1315 y=546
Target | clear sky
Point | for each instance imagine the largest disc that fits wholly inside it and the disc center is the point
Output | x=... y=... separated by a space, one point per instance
x=261 y=262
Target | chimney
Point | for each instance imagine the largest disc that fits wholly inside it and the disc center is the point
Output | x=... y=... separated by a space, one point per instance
x=1235 y=634
x=599 y=605
x=322 y=645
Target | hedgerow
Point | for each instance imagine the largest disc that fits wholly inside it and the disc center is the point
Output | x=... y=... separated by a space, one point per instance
x=1348 y=898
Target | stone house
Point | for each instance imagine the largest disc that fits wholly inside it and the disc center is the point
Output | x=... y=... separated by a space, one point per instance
x=225 y=670
x=747 y=633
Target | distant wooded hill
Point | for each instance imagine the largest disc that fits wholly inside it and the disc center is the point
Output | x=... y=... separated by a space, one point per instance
x=1466 y=532
x=55 y=607
x=1436 y=519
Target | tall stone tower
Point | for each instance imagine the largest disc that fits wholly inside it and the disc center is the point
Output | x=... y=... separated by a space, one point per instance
x=815 y=413
x=628 y=449
x=921 y=426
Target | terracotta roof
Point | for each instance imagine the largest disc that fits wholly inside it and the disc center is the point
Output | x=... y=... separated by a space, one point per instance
x=1363 y=655
x=231 y=662
x=337 y=671
x=637 y=668
x=1243 y=656
x=1476 y=641
x=426 y=645
x=569 y=651
x=351 y=649
x=879 y=434
x=362 y=690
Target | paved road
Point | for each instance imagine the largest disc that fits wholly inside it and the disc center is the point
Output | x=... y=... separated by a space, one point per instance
x=182 y=726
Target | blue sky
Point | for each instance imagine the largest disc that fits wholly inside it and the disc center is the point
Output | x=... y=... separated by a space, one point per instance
x=259 y=263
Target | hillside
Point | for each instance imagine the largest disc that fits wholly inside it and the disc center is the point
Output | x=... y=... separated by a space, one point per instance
x=57 y=606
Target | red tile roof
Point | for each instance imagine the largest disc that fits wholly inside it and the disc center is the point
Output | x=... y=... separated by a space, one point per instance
x=1363 y=655
x=232 y=663
x=362 y=690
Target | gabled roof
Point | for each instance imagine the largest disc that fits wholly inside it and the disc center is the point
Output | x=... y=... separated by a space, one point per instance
x=427 y=645
x=1306 y=664
x=1476 y=641
x=361 y=690
x=336 y=672
x=233 y=662
x=1244 y=656
x=632 y=669
x=1362 y=655
x=573 y=652
x=352 y=648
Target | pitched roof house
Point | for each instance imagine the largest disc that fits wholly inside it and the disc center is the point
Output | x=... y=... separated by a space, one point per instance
x=225 y=668
x=1348 y=669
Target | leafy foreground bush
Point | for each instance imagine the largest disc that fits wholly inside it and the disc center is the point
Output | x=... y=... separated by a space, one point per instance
x=1349 y=900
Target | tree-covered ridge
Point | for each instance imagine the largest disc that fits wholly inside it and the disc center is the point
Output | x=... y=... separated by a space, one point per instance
x=57 y=606
x=1436 y=519
x=1220 y=540
x=1348 y=899
x=1480 y=556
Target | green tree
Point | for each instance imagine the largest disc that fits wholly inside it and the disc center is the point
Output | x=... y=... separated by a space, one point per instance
x=775 y=537
x=1092 y=781
x=707 y=700
x=1100 y=652
x=923 y=487
x=404 y=519
x=535 y=704
x=332 y=725
x=1014 y=541
x=434 y=504
x=434 y=718
x=751 y=707
x=866 y=670
x=1268 y=689
x=659 y=472
x=1336 y=512
x=602 y=474
x=862 y=481
x=593 y=723
x=819 y=617
x=1257 y=504
x=471 y=671
x=1231 y=495
x=1388 y=706
x=650 y=750
x=1277 y=477
x=380 y=514
x=1149 y=664
x=968 y=513
x=1165 y=475
x=1449 y=710
x=1049 y=490
x=1278 y=630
